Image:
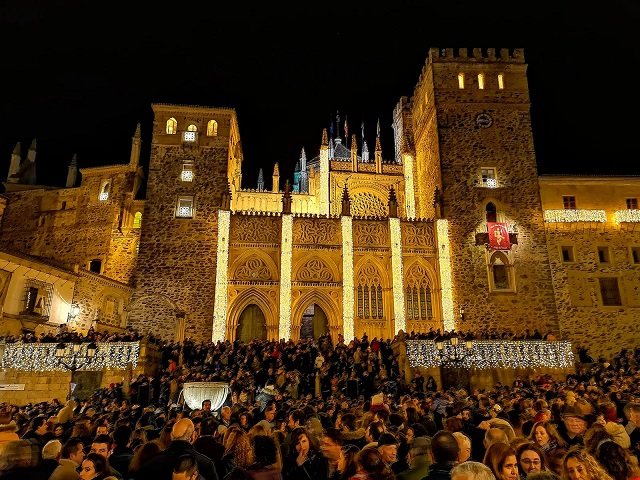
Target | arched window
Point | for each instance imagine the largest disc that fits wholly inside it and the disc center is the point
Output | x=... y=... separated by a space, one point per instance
x=370 y=303
x=491 y=213
x=137 y=220
x=212 y=128
x=104 y=191
x=172 y=126
x=501 y=276
x=461 y=80
x=192 y=128
x=418 y=295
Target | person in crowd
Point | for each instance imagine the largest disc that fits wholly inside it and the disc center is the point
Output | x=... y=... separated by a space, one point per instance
x=418 y=460
x=330 y=448
x=388 y=447
x=71 y=457
x=304 y=461
x=531 y=458
x=502 y=460
x=103 y=445
x=267 y=464
x=51 y=453
x=370 y=466
x=351 y=433
x=185 y=468
x=618 y=461
x=545 y=435
x=39 y=430
x=121 y=455
x=207 y=444
x=444 y=455
x=347 y=467
x=237 y=451
x=577 y=464
x=94 y=467
x=142 y=454
x=471 y=470
x=160 y=466
x=574 y=425
x=464 y=444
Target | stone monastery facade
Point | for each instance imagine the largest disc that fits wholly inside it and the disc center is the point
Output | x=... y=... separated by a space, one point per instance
x=455 y=230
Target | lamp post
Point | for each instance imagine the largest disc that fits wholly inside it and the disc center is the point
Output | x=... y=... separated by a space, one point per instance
x=74 y=357
x=456 y=353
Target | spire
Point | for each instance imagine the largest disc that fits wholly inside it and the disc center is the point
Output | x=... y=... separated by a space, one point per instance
x=72 y=172
x=136 y=141
x=260 y=180
x=365 y=152
x=378 y=155
x=304 y=174
x=225 y=199
x=28 y=168
x=286 y=198
x=275 y=186
x=14 y=166
x=325 y=139
x=354 y=153
x=31 y=154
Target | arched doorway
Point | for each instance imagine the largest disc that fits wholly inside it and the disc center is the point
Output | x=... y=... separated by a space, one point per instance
x=252 y=324
x=314 y=322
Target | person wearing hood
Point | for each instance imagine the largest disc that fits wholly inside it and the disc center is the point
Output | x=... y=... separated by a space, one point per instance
x=351 y=434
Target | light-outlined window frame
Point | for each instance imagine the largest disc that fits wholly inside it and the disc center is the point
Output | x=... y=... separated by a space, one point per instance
x=183 y=202
x=187 y=173
x=212 y=128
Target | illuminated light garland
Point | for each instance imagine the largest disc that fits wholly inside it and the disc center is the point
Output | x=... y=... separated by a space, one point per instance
x=410 y=207
x=41 y=357
x=486 y=354
x=568 y=216
x=626 y=216
x=444 y=252
x=324 y=182
x=397 y=275
x=286 y=254
x=222 y=278
x=347 y=278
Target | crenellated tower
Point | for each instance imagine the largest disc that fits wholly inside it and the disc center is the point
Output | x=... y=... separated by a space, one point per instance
x=475 y=160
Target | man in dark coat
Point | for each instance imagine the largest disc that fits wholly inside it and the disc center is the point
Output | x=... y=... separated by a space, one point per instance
x=444 y=455
x=161 y=466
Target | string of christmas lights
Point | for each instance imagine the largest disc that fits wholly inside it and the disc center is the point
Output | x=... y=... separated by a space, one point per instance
x=486 y=354
x=41 y=357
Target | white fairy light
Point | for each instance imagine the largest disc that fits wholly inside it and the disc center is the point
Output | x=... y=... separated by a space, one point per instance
x=222 y=279
x=444 y=252
x=286 y=255
x=397 y=275
x=626 y=216
x=568 y=216
x=347 y=277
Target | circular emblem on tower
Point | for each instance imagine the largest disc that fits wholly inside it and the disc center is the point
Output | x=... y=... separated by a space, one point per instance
x=484 y=120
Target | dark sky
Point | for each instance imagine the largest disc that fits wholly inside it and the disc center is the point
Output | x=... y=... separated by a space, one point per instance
x=79 y=75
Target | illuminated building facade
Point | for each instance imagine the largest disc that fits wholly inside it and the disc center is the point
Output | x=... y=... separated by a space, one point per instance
x=455 y=230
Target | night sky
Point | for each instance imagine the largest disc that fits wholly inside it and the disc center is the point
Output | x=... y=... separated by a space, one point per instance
x=78 y=76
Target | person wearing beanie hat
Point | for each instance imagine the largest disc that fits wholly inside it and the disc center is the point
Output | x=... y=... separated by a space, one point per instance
x=574 y=425
x=388 y=448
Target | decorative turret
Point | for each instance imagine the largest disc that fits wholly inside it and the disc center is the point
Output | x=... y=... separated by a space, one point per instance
x=378 y=156
x=275 y=187
x=72 y=172
x=286 y=198
x=14 y=167
x=325 y=138
x=136 y=142
x=225 y=201
x=27 y=171
x=296 y=177
x=260 y=180
x=346 y=201
x=365 y=152
x=393 y=203
x=354 y=153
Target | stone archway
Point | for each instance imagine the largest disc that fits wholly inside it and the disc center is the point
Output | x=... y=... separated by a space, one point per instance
x=314 y=322
x=252 y=324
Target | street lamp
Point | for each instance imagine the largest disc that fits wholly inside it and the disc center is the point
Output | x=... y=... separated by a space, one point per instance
x=73 y=357
x=454 y=354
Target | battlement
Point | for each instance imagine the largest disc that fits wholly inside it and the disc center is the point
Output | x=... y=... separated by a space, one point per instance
x=503 y=55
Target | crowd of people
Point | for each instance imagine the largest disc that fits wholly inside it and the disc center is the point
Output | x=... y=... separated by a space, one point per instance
x=315 y=410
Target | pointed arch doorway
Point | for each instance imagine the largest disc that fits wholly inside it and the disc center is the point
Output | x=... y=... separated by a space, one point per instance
x=314 y=322
x=252 y=325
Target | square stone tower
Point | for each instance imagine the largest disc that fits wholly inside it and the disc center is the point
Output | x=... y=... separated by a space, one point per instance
x=195 y=159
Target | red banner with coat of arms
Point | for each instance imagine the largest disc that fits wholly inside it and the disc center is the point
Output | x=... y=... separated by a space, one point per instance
x=498 y=236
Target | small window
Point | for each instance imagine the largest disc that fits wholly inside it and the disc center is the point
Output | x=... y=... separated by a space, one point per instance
x=187 y=172
x=104 y=192
x=95 y=266
x=604 y=255
x=500 y=273
x=610 y=291
x=172 y=126
x=569 y=202
x=64 y=206
x=632 y=204
x=567 y=254
x=184 y=207
x=461 y=80
x=501 y=81
x=481 y=81
x=137 y=220
x=192 y=128
x=491 y=214
x=212 y=128
x=635 y=255
x=489 y=178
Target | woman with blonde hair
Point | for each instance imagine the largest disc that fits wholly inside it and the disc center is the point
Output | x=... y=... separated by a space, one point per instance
x=545 y=435
x=579 y=465
x=237 y=450
x=502 y=460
